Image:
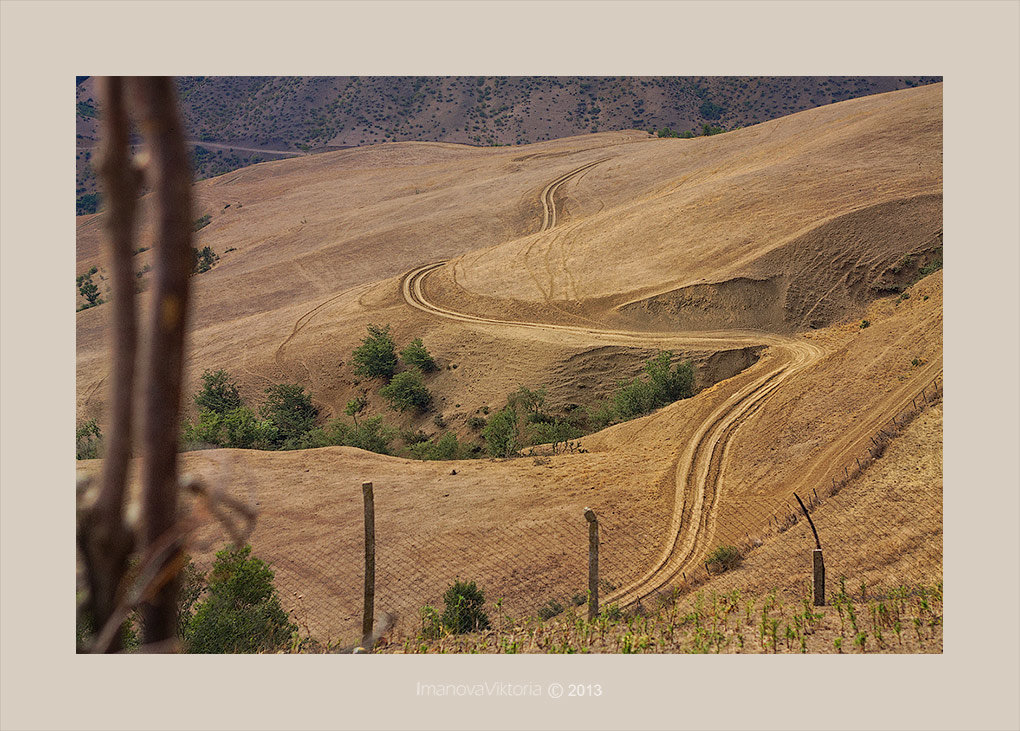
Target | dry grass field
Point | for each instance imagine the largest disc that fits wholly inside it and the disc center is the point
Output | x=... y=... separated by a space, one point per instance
x=567 y=263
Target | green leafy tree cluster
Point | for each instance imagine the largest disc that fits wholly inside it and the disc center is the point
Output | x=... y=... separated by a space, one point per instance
x=372 y=435
x=291 y=412
x=241 y=612
x=665 y=384
x=224 y=420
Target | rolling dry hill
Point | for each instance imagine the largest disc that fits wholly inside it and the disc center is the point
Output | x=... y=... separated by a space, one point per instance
x=566 y=263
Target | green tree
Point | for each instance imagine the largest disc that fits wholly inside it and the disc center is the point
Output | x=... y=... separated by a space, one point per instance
x=528 y=402
x=289 y=409
x=241 y=612
x=355 y=406
x=88 y=289
x=407 y=391
x=376 y=357
x=416 y=355
x=500 y=433
x=218 y=393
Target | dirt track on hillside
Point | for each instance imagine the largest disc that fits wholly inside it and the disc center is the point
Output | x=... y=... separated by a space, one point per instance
x=698 y=470
x=545 y=250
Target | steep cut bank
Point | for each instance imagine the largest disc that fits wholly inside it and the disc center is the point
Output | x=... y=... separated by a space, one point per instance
x=828 y=275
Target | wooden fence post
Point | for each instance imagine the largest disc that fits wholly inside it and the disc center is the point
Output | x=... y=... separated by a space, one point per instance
x=818 y=563
x=369 y=613
x=593 y=563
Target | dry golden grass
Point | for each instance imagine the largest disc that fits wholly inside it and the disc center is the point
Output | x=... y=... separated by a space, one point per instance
x=775 y=227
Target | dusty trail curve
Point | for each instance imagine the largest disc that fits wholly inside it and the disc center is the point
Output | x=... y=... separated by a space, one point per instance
x=699 y=468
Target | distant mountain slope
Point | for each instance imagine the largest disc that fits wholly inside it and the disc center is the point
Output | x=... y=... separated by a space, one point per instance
x=307 y=113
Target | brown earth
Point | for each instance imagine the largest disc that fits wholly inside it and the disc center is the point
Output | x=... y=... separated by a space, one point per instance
x=731 y=248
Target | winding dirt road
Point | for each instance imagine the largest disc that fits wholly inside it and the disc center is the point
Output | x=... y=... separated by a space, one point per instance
x=700 y=467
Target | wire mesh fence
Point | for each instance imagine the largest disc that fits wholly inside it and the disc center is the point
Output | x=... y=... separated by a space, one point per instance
x=874 y=540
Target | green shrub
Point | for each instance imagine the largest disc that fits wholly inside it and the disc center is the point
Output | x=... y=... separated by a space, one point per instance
x=89 y=290
x=725 y=558
x=371 y=435
x=476 y=423
x=88 y=440
x=218 y=393
x=416 y=356
x=202 y=260
x=200 y=223
x=463 y=608
x=88 y=203
x=241 y=612
x=550 y=609
x=290 y=411
x=242 y=429
x=500 y=433
x=865 y=323
x=553 y=432
x=665 y=385
x=407 y=391
x=446 y=447
x=376 y=357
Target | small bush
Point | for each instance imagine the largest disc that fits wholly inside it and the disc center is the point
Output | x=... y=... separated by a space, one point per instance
x=88 y=440
x=725 y=558
x=550 y=609
x=865 y=323
x=463 y=608
x=202 y=260
x=407 y=391
x=446 y=447
x=89 y=290
x=200 y=223
x=88 y=203
x=242 y=612
x=415 y=355
x=376 y=357
x=476 y=423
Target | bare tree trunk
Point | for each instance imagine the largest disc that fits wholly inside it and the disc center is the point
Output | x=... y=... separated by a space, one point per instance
x=171 y=179
x=106 y=542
